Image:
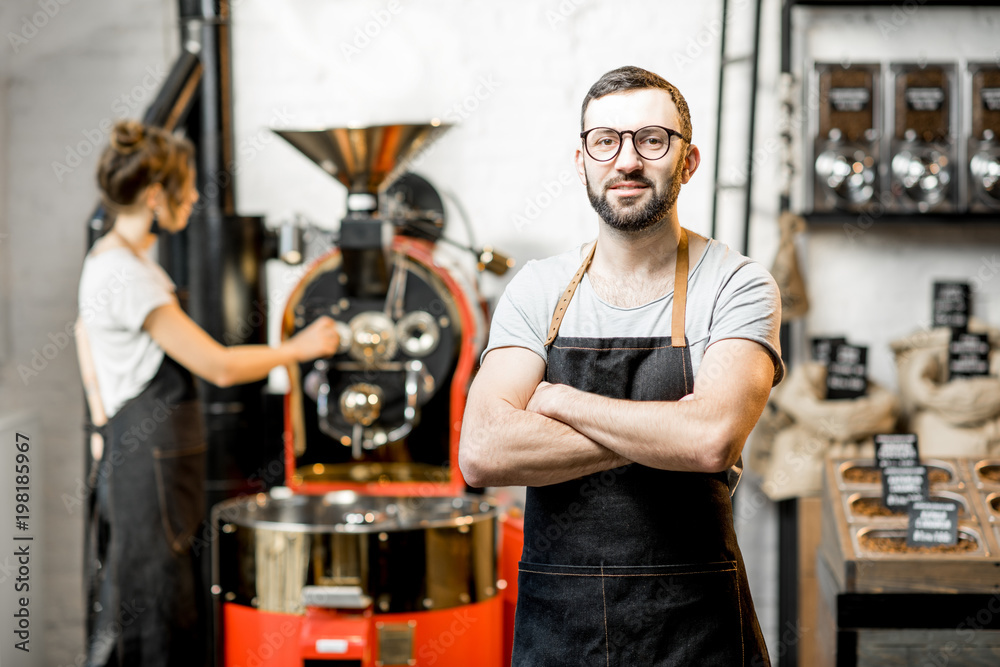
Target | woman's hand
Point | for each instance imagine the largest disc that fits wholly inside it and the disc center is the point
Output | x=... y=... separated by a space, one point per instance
x=319 y=339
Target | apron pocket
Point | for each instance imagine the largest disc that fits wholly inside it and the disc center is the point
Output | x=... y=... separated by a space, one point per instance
x=662 y=616
x=559 y=617
x=675 y=615
x=180 y=489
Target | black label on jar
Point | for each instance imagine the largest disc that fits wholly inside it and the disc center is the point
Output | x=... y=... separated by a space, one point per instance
x=902 y=486
x=951 y=305
x=969 y=355
x=991 y=98
x=822 y=348
x=932 y=524
x=924 y=99
x=896 y=450
x=849 y=99
x=847 y=372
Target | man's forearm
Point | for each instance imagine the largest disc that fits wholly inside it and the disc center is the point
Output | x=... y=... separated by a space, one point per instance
x=667 y=435
x=506 y=446
x=703 y=432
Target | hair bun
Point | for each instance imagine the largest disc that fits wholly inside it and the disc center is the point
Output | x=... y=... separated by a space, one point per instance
x=128 y=136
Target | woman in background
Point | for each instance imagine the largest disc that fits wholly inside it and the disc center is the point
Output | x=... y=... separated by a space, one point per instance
x=137 y=352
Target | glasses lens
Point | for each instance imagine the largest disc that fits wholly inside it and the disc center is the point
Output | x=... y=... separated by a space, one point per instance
x=602 y=143
x=652 y=142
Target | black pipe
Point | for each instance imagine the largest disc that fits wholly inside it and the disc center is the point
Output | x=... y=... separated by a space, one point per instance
x=753 y=120
x=169 y=110
x=718 y=125
x=208 y=23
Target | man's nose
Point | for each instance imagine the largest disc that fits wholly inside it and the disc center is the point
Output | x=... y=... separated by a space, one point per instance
x=628 y=159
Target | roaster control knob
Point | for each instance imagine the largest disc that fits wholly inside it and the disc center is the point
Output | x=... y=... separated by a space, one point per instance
x=361 y=403
x=373 y=338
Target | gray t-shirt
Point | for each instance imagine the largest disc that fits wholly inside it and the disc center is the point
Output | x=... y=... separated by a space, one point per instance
x=729 y=296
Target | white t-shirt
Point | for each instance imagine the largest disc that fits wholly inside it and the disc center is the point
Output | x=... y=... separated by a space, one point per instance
x=729 y=296
x=117 y=291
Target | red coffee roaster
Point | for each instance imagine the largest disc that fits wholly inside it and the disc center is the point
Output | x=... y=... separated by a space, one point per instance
x=375 y=553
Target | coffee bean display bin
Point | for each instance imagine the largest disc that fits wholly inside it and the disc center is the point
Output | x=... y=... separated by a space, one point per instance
x=883 y=603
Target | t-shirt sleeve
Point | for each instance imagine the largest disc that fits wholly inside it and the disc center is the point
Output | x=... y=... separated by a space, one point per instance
x=142 y=292
x=519 y=319
x=749 y=307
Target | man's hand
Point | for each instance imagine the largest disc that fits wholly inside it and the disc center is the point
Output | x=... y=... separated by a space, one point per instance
x=703 y=432
x=546 y=395
x=506 y=438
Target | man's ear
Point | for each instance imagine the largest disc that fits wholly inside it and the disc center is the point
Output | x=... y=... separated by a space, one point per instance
x=580 y=168
x=692 y=161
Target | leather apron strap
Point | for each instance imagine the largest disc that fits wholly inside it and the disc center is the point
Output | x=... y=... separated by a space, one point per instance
x=680 y=294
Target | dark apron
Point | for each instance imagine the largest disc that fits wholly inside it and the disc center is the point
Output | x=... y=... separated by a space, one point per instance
x=632 y=566
x=144 y=590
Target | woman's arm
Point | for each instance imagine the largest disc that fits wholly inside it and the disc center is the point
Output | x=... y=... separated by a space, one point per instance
x=89 y=375
x=182 y=339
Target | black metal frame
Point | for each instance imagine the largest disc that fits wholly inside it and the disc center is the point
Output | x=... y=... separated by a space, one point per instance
x=747 y=185
x=621 y=141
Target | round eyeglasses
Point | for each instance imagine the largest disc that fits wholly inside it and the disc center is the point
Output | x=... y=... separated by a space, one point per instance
x=651 y=142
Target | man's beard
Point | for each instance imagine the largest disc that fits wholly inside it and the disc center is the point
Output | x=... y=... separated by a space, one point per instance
x=634 y=217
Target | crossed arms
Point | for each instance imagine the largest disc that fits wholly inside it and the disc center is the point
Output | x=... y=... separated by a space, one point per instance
x=520 y=430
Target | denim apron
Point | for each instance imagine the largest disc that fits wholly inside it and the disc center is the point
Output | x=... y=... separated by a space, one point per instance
x=632 y=566
x=144 y=592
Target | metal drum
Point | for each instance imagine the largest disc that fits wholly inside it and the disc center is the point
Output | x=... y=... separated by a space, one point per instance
x=283 y=553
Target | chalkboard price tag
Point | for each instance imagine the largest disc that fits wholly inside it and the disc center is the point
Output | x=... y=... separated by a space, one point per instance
x=902 y=486
x=932 y=524
x=897 y=450
x=822 y=348
x=847 y=372
x=969 y=355
x=951 y=305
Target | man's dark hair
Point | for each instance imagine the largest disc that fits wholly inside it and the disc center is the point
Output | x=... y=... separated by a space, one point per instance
x=635 y=78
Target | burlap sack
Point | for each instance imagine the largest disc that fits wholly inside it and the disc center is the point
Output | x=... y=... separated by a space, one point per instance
x=760 y=446
x=922 y=364
x=843 y=420
x=800 y=429
x=797 y=462
x=785 y=270
x=940 y=438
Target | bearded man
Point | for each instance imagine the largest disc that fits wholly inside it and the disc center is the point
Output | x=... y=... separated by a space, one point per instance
x=620 y=383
